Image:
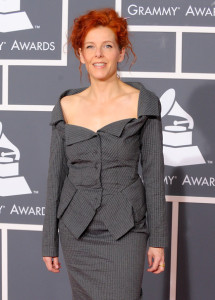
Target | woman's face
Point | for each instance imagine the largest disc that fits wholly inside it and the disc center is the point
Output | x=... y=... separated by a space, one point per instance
x=100 y=53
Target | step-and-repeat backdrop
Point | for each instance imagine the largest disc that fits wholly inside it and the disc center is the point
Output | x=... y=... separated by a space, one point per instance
x=174 y=42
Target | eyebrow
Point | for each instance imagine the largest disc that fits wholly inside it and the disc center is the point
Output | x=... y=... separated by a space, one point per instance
x=103 y=42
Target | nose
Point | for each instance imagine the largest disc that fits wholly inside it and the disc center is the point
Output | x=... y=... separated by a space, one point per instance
x=98 y=52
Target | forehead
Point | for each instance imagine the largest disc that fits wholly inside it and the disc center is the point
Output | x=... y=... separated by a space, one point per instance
x=99 y=34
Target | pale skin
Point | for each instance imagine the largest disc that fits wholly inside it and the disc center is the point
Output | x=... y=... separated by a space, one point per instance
x=106 y=100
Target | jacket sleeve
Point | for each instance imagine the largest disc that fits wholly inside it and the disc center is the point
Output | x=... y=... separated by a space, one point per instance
x=56 y=174
x=152 y=163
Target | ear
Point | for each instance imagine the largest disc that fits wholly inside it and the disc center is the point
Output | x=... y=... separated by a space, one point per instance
x=121 y=55
x=82 y=60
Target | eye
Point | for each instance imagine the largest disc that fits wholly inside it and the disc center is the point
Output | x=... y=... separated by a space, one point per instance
x=89 y=46
x=108 y=46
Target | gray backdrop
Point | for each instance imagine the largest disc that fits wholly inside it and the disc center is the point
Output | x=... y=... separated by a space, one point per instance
x=174 y=42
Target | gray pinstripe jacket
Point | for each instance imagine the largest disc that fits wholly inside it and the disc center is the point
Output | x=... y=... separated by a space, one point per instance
x=90 y=171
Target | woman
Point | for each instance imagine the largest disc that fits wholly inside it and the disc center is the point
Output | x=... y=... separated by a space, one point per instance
x=95 y=195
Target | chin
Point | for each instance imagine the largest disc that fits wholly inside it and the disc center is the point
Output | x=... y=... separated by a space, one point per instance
x=103 y=77
x=102 y=74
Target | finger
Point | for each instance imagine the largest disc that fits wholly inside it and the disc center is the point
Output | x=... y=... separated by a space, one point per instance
x=56 y=263
x=48 y=262
x=49 y=265
x=154 y=266
x=149 y=259
x=159 y=270
x=161 y=267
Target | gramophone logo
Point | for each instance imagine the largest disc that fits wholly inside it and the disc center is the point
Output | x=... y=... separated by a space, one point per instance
x=178 y=148
x=10 y=182
x=12 y=18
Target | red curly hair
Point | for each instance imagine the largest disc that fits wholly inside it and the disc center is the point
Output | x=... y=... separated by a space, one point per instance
x=106 y=17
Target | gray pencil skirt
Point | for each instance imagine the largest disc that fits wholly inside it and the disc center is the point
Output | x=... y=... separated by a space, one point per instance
x=101 y=268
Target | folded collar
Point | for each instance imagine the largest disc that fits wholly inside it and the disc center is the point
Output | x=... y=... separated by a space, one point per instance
x=148 y=104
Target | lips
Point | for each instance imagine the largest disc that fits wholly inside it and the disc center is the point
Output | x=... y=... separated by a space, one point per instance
x=99 y=64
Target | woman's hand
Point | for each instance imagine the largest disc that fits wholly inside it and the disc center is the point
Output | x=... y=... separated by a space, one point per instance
x=156 y=260
x=52 y=263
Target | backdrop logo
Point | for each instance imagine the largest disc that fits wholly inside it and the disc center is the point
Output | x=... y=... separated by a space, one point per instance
x=12 y=18
x=11 y=183
x=177 y=137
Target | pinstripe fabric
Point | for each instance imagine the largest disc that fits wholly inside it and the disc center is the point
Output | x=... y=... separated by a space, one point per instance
x=101 y=268
x=92 y=181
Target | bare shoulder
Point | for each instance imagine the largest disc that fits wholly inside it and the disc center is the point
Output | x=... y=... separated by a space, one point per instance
x=130 y=90
x=72 y=99
x=130 y=99
x=68 y=100
x=70 y=104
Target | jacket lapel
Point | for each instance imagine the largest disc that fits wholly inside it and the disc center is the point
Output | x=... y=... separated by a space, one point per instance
x=148 y=105
x=75 y=134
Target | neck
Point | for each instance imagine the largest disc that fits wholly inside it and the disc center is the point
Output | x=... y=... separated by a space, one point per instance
x=105 y=90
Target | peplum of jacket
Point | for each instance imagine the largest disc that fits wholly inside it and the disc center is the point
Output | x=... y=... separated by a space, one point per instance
x=91 y=171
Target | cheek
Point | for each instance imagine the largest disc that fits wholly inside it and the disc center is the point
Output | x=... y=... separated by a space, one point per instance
x=115 y=59
x=86 y=57
x=115 y=56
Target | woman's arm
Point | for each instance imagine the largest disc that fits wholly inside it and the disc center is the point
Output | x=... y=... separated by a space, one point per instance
x=152 y=162
x=57 y=171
